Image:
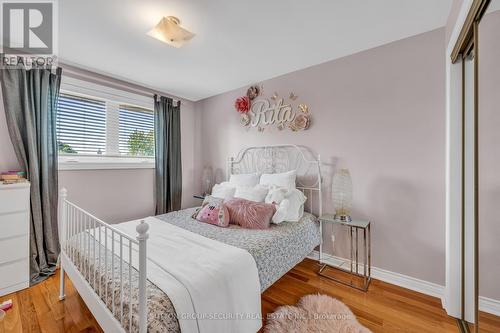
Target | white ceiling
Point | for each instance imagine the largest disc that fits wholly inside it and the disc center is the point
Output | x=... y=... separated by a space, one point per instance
x=238 y=42
x=493 y=6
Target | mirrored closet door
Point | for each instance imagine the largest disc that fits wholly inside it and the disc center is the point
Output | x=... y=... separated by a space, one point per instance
x=468 y=61
x=477 y=53
x=488 y=49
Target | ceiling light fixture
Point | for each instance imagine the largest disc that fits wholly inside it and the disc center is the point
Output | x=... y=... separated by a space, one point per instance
x=169 y=31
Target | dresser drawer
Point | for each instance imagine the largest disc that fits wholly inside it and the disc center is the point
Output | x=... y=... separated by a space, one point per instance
x=14 y=224
x=13 y=249
x=14 y=273
x=14 y=199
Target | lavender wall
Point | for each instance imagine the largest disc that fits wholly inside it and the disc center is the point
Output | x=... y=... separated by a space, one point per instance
x=111 y=195
x=380 y=113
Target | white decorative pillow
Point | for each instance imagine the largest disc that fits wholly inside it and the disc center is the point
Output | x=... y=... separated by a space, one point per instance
x=245 y=179
x=291 y=208
x=284 y=179
x=223 y=190
x=256 y=193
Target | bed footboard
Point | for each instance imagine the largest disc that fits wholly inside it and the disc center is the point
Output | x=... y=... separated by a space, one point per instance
x=86 y=245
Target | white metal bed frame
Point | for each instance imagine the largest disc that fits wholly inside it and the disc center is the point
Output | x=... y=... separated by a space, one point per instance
x=78 y=227
x=283 y=158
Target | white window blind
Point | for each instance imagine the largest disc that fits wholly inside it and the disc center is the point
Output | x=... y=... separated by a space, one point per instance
x=81 y=125
x=136 y=131
x=100 y=127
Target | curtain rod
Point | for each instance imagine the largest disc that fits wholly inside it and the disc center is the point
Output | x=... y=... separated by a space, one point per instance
x=87 y=75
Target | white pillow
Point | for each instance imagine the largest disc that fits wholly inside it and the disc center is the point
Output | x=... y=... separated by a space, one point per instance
x=256 y=193
x=223 y=191
x=245 y=179
x=291 y=208
x=284 y=179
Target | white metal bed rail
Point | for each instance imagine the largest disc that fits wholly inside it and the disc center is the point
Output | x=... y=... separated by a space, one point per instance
x=86 y=242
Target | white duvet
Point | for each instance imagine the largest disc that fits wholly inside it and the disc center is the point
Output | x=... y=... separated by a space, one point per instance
x=213 y=286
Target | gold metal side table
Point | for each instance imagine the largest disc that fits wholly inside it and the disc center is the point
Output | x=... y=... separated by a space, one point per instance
x=354 y=227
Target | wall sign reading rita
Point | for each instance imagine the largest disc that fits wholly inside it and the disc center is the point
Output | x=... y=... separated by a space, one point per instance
x=275 y=111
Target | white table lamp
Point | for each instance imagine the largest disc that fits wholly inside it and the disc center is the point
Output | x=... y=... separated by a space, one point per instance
x=342 y=195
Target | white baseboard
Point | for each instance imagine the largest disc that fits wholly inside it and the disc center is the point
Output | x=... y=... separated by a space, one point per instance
x=432 y=289
x=489 y=305
x=401 y=280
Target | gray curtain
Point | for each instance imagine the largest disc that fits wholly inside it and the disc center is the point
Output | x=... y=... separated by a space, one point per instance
x=30 y=98
x=168 y=171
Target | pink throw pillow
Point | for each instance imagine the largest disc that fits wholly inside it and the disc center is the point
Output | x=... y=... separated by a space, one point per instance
x=250 y=214
x=214 y=213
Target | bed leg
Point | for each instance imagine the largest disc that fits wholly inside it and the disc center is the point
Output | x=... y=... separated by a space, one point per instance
x=61 y=284
x=142 y=230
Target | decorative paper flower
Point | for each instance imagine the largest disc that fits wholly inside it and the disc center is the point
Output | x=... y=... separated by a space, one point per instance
x=242 y=104
x=245 y=119
x=253 y=92
x=303 y=108
x=301 y=122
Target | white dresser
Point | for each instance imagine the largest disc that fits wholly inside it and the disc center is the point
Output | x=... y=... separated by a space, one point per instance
x=14 y=237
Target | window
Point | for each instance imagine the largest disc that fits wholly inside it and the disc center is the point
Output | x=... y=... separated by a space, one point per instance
x=81 y=125
x=104 y=128
x=136 y=134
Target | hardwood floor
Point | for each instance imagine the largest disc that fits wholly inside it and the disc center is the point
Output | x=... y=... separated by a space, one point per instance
x=384 y=308
x=38 y=309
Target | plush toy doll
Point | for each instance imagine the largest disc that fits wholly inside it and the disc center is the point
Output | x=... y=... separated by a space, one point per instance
x=276 y=195
x=211 y=214
x=289 y=204
x=215 y=213
x=281 y=211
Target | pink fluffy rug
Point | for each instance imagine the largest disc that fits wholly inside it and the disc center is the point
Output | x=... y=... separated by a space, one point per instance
x=314 y=313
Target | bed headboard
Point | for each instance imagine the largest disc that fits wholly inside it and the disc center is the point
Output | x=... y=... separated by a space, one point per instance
x=282 y=158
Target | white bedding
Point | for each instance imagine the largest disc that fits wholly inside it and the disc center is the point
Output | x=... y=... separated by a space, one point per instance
x=213 y=286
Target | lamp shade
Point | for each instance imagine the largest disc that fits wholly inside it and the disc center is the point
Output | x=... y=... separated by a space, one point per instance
x=169 y=31
x=342 y=194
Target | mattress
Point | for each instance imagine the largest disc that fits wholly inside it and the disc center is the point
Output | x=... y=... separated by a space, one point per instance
x=275 y=251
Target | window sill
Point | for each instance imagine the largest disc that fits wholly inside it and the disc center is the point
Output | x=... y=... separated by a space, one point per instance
x=104 y=163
